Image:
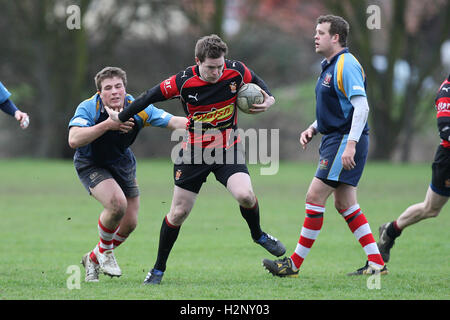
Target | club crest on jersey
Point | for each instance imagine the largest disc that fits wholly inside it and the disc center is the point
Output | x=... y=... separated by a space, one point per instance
x=323 y=164
x=178 y=174
x=215 y=116
x=326 y=80
x=233 y=87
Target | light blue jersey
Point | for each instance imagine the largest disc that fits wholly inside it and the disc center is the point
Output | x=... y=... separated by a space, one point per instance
x=341 y=79
x=4 y=93
x=88 y=112
x=113 y=145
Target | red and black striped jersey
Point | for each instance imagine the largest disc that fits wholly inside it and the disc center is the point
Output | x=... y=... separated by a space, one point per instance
x=442 y=104
x=210 y=107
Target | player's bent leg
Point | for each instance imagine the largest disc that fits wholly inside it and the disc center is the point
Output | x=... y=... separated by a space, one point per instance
x=240 y=186
x=430 y=208
x=389 y=231
x=182 y=204
x=114 y=202
x=111 y=196
x=130 y=220
x=128 y=223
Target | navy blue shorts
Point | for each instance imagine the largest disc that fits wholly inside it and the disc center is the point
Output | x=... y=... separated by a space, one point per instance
x=440 y=179
x=123 y=172
x=330 y=168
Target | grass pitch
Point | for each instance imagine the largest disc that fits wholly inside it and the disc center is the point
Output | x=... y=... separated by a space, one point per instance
x=48 y=222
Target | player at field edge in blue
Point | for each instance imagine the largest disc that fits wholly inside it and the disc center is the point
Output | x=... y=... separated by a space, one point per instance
x=8 y=106
x=208 y=91
x=106 y=165
x=439 y=189
x=341 y=117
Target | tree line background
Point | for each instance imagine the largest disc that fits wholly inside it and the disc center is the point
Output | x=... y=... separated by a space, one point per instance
x=50 y=68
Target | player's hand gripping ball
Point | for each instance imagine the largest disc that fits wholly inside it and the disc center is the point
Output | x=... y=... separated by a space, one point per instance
x=25 y=122
x=248 y=95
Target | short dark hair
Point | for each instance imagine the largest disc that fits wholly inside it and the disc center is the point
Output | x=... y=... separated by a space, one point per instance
x=338 y=25
x=107 y=73
x=210 y=47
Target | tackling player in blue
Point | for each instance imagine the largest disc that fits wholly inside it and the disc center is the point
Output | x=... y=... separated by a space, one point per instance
x=106 y=165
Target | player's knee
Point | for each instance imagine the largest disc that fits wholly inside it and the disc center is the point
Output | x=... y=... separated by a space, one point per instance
x=246 y=198
x=311 y=197
x=178 y=215
x=340 y=206
x=432 y=212
x=117 y=207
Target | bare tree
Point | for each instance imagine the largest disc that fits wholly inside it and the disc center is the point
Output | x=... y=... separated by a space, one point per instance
x=53 y=59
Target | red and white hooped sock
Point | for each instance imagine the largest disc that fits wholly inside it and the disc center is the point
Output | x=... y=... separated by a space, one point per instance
x=311 y=228
x=360 y=228
x=118 y=239
x=106 y=237
x=93 y=256
x=104 y=244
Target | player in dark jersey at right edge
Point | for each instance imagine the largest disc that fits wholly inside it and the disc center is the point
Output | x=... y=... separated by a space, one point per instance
x=439 y=188
x=208 y=92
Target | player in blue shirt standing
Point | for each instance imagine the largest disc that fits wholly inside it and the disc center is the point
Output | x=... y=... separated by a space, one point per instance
x=341 y=117
x=107 y=167
x=7 y=106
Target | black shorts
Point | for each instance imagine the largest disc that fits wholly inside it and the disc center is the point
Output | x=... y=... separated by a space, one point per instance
x=191 y=172
x=123 y=172
x=440 y=178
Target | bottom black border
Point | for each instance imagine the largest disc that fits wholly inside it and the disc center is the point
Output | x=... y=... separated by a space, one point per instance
x=219 y=309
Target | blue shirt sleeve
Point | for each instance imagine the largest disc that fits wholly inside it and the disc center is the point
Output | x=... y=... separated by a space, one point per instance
x=4 y=93
x=9 y=107
x=350 y=76
x=153 y=116
x=85 y=113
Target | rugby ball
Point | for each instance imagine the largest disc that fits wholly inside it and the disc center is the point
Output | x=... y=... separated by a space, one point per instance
x=248 y=95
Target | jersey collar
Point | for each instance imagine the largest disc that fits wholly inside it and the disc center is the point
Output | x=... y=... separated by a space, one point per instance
x=325 y=63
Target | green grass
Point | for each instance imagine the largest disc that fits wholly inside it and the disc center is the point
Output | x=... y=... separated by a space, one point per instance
x=48 y=222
